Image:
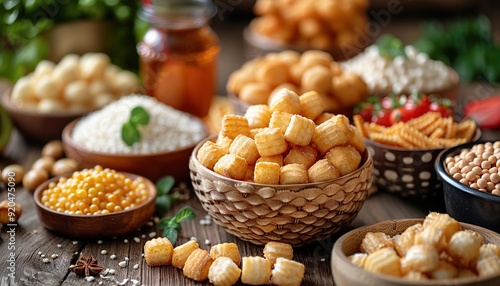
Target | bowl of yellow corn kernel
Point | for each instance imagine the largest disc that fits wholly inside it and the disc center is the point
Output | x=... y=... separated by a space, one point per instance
x=95 y=203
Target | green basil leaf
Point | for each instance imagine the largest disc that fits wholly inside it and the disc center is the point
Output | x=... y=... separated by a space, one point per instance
x=174 y=225
x=185 y=213
x=139 y=116
x=130 y=134
x=164 y=185
x=162 y=204
x=163 y=223
x=170 y=234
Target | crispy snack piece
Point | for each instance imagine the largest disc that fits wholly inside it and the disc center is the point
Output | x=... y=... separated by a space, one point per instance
x=342 y=121
x=293 y=174
x=273 y=250
x=312 y=105
x=287 y=272
x=224 y=142
x=393 y=140
x=233 y=125
x=487 y=250
x=197 y=265
x=358 y=259
x=285 y=101
x=358 y=141
x=466 y=129
x=360 y=124
x=245 y=147
x=232 y=166
x=158 y=251
x=421 y=122
x=406 y=239
x=346 y=159
x=278 y=159
x=305 y=155
x=271 y=142
x=182 y=252
x=209 y=153
x=267 y=173
x=415 y=276
x=433 y=236
x=374 y=241
x=415 y=137
x=255 y=131
x=488 y=266
x=464 y=247
x=280 y=120
x=420 y=258
x=384 y=261
x=300 y=130
x=444 y=221
x=229 y=250
x=255 y=270
x=322 y=171
x=323 y=117
x=258 y=116
x=224 y=272
x=444 y=270
x=328 y=135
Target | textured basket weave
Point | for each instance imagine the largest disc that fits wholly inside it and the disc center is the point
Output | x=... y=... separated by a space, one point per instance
x=295 y=214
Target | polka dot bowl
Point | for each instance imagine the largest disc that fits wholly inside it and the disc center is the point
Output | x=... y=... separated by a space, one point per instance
x=404 y=172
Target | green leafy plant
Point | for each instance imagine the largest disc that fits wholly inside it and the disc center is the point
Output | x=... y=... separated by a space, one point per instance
x=24 y=25
x=165 y=199
x=170 y=226
x=130 y=129
x=390 y=47
x=466 y=44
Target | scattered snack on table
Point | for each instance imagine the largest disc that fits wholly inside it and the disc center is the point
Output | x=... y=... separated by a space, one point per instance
x=221 y=265
x=158 y=251
x=77 y=83
x=477 y=167
x=326 y=25
x=290 y=149
x=436 y=249
x=390 y=67
x=331 y=88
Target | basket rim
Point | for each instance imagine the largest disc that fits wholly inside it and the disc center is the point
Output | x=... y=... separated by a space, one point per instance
x=366 y=162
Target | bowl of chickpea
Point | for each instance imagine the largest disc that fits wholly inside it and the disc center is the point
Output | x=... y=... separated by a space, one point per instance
x=276 y=175
x=110 y=204
x=437 y=250
x=471 y=182
x=44 y=101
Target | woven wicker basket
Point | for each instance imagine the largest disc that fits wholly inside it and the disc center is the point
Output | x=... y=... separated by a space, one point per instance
x=294 y=214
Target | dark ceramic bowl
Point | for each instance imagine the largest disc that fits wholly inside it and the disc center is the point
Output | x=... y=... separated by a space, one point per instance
x=463 y=202
x=404 y=172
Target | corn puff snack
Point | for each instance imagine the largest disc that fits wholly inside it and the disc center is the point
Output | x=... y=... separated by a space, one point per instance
x=182 y=252
x=273 y=250
x=287 y=272
x=224 y=272
x=197 y=265
x=255 y=271
x=158 y=251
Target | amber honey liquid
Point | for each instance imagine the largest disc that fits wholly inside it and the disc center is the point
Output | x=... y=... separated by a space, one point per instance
x=179 y=68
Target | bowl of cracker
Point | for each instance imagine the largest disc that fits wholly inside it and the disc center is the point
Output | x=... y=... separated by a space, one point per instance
x=286 y=172
x=437 y=250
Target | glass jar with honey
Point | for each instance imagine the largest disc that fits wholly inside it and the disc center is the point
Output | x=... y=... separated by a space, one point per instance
x=178 y=53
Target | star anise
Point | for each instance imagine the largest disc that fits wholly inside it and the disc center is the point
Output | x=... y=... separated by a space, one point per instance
x=86 y=266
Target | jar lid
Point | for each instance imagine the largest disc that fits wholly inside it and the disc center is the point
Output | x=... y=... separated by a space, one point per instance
x=177 y=14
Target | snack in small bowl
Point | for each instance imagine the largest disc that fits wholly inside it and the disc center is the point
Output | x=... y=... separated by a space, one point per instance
x=437 y=250
x=136 y=134
x=285 y=172
x=90 y=204
x=258 y=80
x=44 y=101
x=405 y=142
x=329 y=25
x=471 y=182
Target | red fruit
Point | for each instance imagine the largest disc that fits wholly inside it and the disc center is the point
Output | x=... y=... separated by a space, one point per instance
x=485 y=112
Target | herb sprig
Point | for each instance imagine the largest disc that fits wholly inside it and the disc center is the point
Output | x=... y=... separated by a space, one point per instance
x=170 y=226
x=165 y=199
x=390 y=47
x=130 y=132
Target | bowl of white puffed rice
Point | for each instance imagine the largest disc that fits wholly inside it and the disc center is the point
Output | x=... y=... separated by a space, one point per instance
x=471 y=182
x=164 y=146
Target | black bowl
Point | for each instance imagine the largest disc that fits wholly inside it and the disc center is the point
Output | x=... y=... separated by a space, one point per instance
x=464 y=203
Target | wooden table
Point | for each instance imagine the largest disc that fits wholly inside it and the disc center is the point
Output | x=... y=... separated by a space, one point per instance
x=33 y=242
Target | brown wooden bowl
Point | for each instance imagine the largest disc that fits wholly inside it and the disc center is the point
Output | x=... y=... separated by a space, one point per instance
x=347 y=273
x=95 y=226
x=152 y=166
x=38 y=127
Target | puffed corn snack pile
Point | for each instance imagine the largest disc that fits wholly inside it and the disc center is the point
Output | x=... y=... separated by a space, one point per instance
x=324 y=25
x=76 y=83
x=258 y=80
x=425 y=132
x=221 y=265
x=289 y=141
x=438 y=248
